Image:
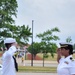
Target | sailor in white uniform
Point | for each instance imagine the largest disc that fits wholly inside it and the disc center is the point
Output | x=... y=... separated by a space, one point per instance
x=66 y=63
x=7 y=59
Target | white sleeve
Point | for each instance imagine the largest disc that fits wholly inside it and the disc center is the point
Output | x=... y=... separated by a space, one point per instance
x=72 y=68
x=11 y=51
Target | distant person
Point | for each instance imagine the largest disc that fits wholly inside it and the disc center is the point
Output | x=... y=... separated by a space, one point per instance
x=66 y=63
x=8 y=61
x=22 y=59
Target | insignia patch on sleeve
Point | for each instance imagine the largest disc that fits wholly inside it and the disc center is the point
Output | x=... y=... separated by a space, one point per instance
x=66 y=62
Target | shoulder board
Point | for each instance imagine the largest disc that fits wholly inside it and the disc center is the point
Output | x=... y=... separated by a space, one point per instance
x=71 y=58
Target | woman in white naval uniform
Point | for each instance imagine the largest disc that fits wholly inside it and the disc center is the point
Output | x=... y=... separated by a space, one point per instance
x=7 y=59
x=66 y=64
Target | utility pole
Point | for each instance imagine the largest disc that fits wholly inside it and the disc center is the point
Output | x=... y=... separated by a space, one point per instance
x=32 y=45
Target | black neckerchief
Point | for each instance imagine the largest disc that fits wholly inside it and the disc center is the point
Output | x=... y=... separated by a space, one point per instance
x=16 y=64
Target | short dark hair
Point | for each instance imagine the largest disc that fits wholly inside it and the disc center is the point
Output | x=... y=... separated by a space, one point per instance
x=8 y=45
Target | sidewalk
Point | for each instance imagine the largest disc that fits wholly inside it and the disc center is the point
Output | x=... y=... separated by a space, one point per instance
x=37 y=63
x=36 y=73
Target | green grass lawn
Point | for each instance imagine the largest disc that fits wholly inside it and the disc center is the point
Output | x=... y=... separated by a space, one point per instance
x=37 y=69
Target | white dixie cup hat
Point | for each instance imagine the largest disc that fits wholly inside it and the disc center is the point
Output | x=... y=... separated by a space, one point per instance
x=9 y=40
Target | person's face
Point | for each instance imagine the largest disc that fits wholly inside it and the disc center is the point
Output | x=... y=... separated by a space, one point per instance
x=14 y=44
x=64 y=52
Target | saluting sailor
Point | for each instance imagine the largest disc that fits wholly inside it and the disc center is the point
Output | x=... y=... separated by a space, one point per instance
x=7 y=58
x=66 y=63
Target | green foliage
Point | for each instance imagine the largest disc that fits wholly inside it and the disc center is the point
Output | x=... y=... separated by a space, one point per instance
x=48 y=35
x=8 y=9
x=35 y=47
x=46 y=55
x=46 y=41
x=25 y=33
x=69 y=40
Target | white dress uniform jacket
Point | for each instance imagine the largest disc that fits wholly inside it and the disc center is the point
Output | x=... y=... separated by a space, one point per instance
x=8 y=62
x=66 y=66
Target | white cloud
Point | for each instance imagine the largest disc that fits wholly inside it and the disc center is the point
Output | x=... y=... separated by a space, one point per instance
x=48 y=14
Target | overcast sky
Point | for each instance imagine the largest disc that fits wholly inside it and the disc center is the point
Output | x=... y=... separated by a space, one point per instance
x=48 y=14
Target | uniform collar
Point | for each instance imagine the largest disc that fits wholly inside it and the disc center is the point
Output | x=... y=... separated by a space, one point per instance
x=68 y=57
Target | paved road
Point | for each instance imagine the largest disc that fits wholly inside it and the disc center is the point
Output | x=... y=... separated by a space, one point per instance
x=36 y=74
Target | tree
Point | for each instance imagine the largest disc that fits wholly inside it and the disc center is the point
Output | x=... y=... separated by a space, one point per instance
x=36 y=48
x=69 y=40
x=25 y=33
x=47 y=38
x=8 y=9
x=20 y=33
